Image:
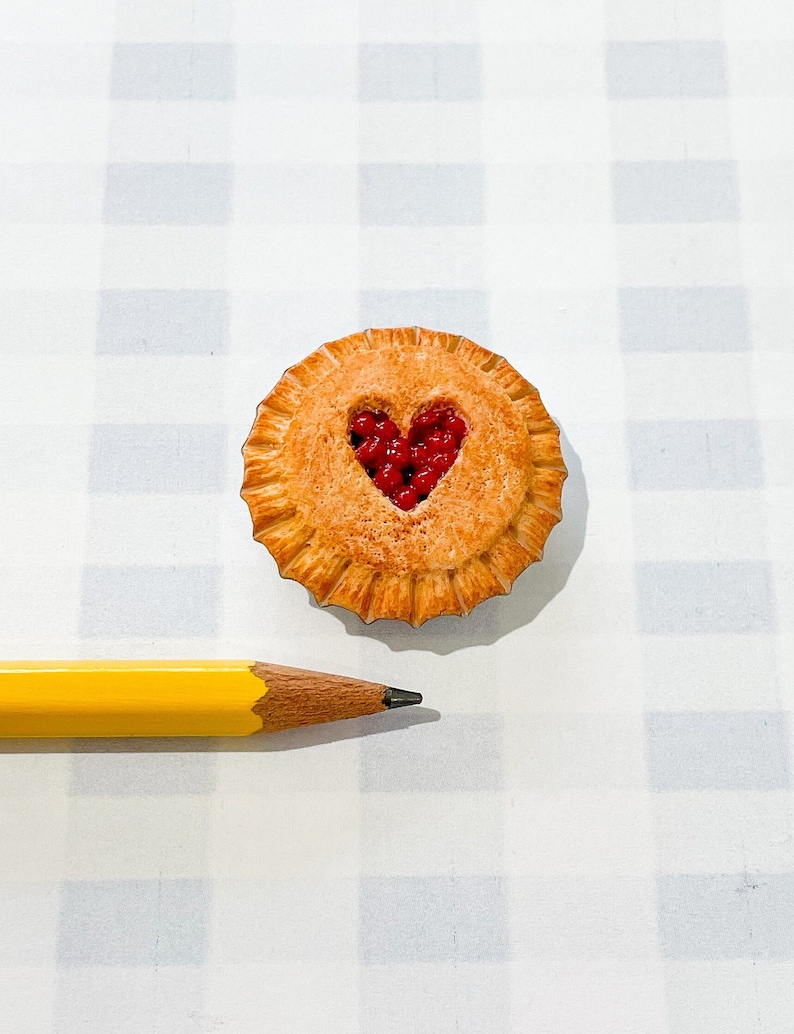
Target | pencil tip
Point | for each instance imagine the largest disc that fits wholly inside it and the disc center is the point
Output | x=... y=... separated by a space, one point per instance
x=394 y=697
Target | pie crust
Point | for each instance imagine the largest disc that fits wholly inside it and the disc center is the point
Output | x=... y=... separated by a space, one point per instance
x=327 y=526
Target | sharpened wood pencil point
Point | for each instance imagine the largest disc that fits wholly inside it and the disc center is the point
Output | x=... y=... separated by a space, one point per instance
x=394 y=697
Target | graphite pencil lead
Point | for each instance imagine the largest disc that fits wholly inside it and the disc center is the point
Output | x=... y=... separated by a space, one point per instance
x=394 y=697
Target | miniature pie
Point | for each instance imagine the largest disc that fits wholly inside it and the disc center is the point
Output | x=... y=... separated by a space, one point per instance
x=403 y=473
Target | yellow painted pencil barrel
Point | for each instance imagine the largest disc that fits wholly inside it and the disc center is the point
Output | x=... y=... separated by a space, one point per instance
x=177 y=698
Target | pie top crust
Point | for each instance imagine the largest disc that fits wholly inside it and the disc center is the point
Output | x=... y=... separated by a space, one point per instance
x=316 y=510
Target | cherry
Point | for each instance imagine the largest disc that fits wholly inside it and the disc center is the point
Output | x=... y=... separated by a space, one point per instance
x=426 y=421
x=440 y=441
x=456 y=426
x=363 y=424
x=419 y=455
x=424 y=480
x=387 y=478
x=406 y=497
x=442 y=461
x=398 y=453
x=371 y=452
x=387 y=430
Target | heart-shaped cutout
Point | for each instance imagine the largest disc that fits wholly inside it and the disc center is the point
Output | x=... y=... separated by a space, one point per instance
x=407 y=468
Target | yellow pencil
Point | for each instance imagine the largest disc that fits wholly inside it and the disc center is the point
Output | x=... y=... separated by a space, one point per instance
x=178 y=698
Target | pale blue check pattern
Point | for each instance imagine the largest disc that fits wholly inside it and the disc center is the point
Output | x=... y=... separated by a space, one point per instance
x=590 y=828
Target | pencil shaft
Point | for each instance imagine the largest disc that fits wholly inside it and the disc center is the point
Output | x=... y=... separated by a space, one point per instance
x=172 y=698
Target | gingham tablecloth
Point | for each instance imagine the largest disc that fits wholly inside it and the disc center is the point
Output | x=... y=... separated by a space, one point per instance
x=588 y=829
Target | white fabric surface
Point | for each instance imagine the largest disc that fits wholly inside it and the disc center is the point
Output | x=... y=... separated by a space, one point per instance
x=588 y=829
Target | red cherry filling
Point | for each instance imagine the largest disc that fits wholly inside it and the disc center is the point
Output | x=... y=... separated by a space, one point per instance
x=398 y=453
x=442 y=461
x=371 y=453
x=364 y=425
x=456 y=426
x=424 y=480
x=440 y=441
x=405 y=497
x=386 y=429
x=388 y=478
x=407 y=468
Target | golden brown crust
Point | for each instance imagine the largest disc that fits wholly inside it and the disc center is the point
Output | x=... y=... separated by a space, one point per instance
x=285 y=538
x=313 y=368
x=390 y=595
x=508 y=558
x=546 y=450
x=475 y=354
x=476 y=581
x=354 y=589
x=434 y=594
x=316 y=510
x=286 y=396
x=532 y=527
x=347 y=346
x=547 y=488
x=535 y=415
